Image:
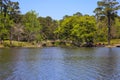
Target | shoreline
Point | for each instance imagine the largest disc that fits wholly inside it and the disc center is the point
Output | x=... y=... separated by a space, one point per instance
x=16 y=44
x=113 y=45
x=39 y=46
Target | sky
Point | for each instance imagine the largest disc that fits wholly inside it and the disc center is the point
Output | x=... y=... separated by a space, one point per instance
x=58 y=8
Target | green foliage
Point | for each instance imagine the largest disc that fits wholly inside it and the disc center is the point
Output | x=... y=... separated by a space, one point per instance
x=64 y=29
x=31 y=25
x=3 y=30
x=48 y=27
x=107 y=9
x=39 y=37
x=5 y=25
x=8 y=10
x=117 y=28
x=14 y=44
x=69 y=31
x=59 y=43
x=101 y=31
x=84 y=28
x=77 y=28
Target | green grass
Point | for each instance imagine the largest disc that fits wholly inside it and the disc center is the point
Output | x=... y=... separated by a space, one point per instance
x=113 y=42
x=17 y=44
x=26 y=44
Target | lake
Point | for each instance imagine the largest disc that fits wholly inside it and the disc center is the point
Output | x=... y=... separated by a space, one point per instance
x=56 y=63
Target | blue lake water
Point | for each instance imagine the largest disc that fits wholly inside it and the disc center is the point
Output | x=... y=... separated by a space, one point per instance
x=56 y=63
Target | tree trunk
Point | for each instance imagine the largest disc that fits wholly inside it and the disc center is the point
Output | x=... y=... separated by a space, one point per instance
x=18 y=38
x=10 y=37
x=28 y=38
x=109 y=30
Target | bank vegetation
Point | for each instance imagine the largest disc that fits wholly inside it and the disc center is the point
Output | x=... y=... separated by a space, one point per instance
x=31 y=30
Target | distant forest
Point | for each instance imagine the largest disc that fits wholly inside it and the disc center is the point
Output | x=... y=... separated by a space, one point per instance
x=78 y=28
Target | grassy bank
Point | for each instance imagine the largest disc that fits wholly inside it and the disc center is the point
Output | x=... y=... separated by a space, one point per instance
x=16 y=44
x=47 y=43
x=114 y=43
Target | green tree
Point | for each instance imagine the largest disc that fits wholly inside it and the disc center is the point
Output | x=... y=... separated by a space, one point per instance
x=108 y=9
x=77 y=29
x=32 y=26
x=3 y=30
x=18 y=28
x=101 y=31
x=116 y=28
x=78 y=14
x=84 y=29
x=48 y=27
x=7 y=11
x=4 y=6
x=14 y=11
x=3 y=18
x=65 y=27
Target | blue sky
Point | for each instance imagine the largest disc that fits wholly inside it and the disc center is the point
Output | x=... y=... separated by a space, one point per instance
x=58 y=8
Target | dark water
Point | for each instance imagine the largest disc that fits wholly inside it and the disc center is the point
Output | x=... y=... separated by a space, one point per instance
x=55 y=63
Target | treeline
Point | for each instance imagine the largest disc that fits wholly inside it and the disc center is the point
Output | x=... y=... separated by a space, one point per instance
x=77 y=28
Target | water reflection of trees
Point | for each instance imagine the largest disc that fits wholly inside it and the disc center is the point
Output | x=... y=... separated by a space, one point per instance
x=107 y=66
x=6 y=63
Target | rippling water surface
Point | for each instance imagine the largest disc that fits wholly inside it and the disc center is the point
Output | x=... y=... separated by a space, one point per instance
x=55 y=63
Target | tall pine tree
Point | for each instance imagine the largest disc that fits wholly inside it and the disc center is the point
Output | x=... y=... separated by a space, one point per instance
x=107 y=9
